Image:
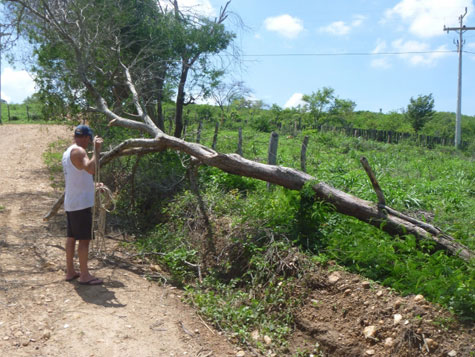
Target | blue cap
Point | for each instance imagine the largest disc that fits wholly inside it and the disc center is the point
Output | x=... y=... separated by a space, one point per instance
x=83 y=130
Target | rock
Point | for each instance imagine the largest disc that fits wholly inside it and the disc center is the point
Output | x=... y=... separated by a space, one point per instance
x=379 y=293
x=154 y=267
x=452 y=353
x=334 y=277
x=398 y=303
x=365 y=284
x=389 y=342
x=397 y=319
x=46 y=334
x=255 y=335
x=419 y=298
x=347 y=292
x=370 y=352
x=431 y=344
x=25 y=342
x=315 y=302
x=240 y=354
x=267 y=340
x=369 y=331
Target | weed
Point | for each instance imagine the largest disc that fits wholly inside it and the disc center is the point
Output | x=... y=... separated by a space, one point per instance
x=52 y=158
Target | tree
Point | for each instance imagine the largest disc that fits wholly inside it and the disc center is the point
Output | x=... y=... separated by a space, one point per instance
x=341 y=111
x=225 y=94
x=318 y=103
x=162 y=48
x=198 y=37
x=420 y=111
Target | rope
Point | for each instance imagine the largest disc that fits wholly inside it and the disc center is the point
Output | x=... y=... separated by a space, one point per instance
x=102 y=202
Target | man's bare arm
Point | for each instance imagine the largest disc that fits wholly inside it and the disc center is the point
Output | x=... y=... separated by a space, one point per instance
x=80 y=159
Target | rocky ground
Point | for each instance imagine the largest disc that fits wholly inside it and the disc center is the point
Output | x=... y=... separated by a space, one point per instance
x=345 y=315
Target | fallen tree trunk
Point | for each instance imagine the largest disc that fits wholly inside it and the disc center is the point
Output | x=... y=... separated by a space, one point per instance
x=380 y=216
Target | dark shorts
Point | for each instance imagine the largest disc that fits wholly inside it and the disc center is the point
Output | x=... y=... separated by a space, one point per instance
x=80 y=224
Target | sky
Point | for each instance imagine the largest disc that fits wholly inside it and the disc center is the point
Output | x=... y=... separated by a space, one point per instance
x=375 y=53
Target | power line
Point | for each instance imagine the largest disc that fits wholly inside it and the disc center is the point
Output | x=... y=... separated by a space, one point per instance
x=345 y=54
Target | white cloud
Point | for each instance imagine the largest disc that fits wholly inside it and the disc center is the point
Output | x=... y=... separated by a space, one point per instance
x=422 y=58
x=380 y=62
x=380 y=46
x=426 y=18
x=338 y=28
x=16 y=85
x=284 y=25
x=294 y=101
x=414 y=52
x=358 y=20
x=341 y=28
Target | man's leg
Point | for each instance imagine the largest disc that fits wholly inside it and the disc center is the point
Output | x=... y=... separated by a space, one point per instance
x=83 y=253
x=70 y=247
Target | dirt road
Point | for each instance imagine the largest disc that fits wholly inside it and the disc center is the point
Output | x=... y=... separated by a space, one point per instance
x=40 y=313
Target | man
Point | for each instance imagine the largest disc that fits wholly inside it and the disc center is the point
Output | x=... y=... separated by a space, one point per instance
x=78 y=202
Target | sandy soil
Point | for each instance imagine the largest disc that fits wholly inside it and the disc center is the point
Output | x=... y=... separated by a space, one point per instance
x=41 y=314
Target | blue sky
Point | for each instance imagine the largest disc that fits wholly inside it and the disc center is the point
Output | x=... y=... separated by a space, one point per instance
x=295 y=47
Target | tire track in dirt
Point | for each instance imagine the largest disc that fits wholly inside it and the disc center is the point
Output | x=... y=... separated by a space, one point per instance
x=40 y=313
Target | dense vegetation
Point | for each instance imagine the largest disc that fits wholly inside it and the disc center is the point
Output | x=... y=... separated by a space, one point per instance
x=256 y=248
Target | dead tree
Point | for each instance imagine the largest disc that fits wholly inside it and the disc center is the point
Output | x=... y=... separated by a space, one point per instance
x=69 y=30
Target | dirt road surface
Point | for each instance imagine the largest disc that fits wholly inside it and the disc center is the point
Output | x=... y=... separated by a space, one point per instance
x=40 y=313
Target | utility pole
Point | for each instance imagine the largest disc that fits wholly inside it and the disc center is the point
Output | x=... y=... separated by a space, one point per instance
x=1 y=35
x=458 y=119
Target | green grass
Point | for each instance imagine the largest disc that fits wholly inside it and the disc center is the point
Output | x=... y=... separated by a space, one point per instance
x=19 y=114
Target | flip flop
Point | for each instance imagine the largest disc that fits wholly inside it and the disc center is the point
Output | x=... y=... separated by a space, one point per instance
x=93 y=281
x=74 y=277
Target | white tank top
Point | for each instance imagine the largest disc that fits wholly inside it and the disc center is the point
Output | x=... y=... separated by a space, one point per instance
x=79 y=192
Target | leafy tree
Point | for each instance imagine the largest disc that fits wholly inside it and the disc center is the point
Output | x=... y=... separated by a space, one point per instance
x=115 y=43
x=341 y=111
x=196 y=39
x=318 y=103
x=420 y=111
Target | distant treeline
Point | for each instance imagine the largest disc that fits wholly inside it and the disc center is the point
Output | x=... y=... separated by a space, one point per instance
x=393 y=137
x=392 y=127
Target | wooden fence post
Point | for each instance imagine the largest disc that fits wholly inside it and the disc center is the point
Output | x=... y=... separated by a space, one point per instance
x=27 y=113
x=303 y=154
x=215 y=136
x=272 y=154
x=8 y=109
x=239 y=148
